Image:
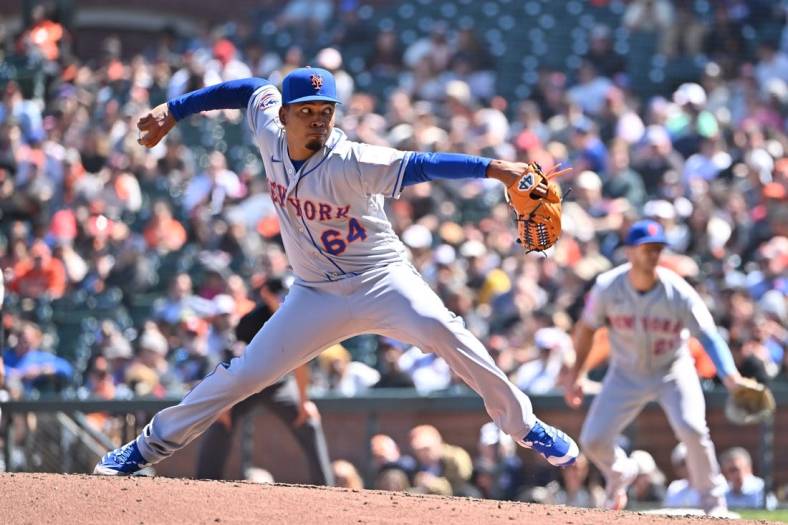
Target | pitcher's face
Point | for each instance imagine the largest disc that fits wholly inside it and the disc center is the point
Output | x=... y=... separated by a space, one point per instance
x=308 y=124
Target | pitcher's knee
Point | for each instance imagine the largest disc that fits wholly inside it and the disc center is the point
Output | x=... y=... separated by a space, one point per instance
x=434 y=331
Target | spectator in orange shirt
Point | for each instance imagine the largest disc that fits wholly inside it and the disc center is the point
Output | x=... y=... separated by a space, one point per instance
x=163 y=232
x=45 y=33
x=40 y=274
x=101 y=385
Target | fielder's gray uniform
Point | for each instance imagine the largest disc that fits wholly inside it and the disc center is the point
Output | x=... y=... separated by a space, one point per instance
x=650 y=361
x=352 y=278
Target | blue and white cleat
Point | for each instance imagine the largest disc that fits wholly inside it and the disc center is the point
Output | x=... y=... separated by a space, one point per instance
x=557 y=448
x=123 y=461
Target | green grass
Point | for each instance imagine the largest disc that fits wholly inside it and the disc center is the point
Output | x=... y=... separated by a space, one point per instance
x=770 y=515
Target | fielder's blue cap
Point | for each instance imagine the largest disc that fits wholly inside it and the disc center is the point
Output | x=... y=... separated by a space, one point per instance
x=309 y=84
x=646 y=232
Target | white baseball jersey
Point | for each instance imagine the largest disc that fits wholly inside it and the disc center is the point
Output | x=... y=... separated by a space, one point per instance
x=648 y=331
x=331 y=209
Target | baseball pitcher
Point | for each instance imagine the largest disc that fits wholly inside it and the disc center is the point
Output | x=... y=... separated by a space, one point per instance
x=353 y=276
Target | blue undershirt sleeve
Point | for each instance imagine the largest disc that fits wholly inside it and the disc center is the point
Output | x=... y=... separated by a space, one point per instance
x=424 y=167
x=717 y=349
x=233 y=94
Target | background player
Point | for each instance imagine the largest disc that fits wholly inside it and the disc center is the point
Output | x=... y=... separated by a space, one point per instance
x=287 y=399
x=650 y=312
x=352 y=273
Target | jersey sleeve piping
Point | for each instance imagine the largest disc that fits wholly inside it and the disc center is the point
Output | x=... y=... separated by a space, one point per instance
x=400 y=180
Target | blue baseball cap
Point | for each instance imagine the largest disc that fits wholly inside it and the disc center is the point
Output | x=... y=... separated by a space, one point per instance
x=646 y=232
x=309 y=84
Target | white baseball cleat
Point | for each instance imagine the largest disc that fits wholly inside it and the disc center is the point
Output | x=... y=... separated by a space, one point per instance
x=617 y=500
x=616 y=494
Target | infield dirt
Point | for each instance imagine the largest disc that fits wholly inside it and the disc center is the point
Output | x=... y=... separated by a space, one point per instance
x=64 y=499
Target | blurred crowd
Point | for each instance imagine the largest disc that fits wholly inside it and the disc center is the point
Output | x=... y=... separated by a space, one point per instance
x=165 y=249
x=426 y=464
x=126 y=269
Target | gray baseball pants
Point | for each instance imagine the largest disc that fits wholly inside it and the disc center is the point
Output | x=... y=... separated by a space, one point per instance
x=393 y=301
x=623 y=397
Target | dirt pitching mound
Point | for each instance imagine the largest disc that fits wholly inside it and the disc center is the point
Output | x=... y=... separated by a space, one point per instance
x=56 y=498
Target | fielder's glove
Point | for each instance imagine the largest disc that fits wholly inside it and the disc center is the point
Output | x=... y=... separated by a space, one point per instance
x=750 y=403
x=536 y=202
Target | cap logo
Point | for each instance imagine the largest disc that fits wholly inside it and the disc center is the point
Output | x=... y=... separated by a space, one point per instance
x=653 y=229
x=317 y=81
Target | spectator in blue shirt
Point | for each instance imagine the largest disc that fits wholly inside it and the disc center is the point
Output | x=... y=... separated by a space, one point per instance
x=591 y=152
x=745 y=489
x=35 y=368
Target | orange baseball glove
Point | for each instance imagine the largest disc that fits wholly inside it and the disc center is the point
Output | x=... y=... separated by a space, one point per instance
x=536 y=201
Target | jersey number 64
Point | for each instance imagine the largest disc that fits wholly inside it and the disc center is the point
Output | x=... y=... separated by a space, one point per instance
x=335 y=243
